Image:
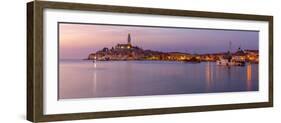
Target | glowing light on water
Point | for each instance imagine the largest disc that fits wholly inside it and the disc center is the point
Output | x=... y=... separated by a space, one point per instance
x=249 y=76
x=95 y=79
x=208 y=75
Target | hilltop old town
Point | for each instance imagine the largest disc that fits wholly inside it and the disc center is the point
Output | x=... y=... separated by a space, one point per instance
x=123 y=52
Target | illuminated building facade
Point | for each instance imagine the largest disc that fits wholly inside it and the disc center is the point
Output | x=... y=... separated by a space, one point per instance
x=125 y=46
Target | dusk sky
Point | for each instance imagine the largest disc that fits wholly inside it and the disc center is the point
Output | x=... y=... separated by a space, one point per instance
x=79 y=40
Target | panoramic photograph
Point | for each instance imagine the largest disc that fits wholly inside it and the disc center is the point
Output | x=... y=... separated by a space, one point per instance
x=103 y=60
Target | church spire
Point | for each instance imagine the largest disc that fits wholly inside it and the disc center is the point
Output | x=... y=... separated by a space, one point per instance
x=129 y=38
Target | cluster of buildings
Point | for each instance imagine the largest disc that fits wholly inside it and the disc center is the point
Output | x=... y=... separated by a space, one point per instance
x=251 y=56
x=129 y=52
x=119 y=52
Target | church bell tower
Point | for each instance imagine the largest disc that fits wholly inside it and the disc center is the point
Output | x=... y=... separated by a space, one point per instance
x=129 y=39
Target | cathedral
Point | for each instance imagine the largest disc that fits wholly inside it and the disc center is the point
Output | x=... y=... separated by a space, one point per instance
x=125 y=46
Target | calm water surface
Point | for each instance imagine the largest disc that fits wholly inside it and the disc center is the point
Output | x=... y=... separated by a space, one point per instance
x=85 y=79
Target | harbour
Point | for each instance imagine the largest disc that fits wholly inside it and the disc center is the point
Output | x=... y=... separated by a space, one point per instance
x=85 y=79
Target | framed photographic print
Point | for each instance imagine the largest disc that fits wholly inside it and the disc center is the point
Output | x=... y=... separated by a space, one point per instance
x=96 y=61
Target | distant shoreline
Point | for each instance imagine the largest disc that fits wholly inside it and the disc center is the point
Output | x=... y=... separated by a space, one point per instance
x=61 y=60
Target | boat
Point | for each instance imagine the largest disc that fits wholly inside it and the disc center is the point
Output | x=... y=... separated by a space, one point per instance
x=228 y=60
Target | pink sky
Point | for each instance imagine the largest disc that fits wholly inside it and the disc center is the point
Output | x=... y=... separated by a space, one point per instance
x=78 y=40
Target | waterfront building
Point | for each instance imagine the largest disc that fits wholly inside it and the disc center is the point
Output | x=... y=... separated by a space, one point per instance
x=92 y=56
x=239 y=55
x=252 y=56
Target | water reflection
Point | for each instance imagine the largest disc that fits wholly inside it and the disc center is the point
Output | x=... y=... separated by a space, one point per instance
x=94 y=79
x=84 y=79
x=249 y=76
x=208 y=74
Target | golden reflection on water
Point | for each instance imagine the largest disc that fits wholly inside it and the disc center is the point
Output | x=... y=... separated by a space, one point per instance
x=140 y=78
x=95 y=79
x=249 y=76
x=208 y=74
